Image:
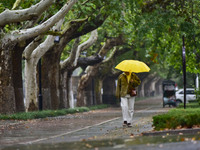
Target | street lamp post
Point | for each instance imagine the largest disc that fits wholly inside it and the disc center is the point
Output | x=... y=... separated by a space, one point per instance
x=184 y=71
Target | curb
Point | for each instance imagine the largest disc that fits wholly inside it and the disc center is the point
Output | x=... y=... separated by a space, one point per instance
x=172 y=132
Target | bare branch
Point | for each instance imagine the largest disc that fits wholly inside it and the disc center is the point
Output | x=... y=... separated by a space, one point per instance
x=21 y=35
x=12 y=16
x=89 y=61
x=72 y=55
x=110 y=56
x=47 y=44
x=72 y=60
x=110 y=43
x=30 y=48
x=36 y=48
x=85 y=45
x=16 y=4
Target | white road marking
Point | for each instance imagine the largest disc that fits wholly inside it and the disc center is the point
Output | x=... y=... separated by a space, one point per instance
x=63 y=134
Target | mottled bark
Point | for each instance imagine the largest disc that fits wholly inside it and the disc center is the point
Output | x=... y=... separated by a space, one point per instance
x=8 y=42
x=31 y=85
x=51 y=79
x=148 y=85
x=97 y=90
x=91 y=71
x=13 y=16
x=109 y=89
x=144 y=78
x=17 y=78
x=7 y=94
x=66 y=96
x=158 y=87
x=69 y=34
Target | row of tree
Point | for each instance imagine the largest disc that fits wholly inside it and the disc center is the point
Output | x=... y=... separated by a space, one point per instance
x=59 y=31
x=29 y=33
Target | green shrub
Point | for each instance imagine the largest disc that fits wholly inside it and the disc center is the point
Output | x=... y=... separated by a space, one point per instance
x=177 y=118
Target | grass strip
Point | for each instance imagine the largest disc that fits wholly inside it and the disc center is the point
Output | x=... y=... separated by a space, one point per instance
x=189 y=105
x=49 y=113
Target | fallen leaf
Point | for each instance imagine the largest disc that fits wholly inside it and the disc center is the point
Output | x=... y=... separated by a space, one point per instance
x=170 y=140
x=148 y=144
x=187 y=139
x=88 y=145
x=193 y=139
x=182 y=139
x=132 y=135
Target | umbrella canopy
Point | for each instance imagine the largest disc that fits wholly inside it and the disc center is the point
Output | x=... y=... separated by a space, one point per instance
x=132 y=66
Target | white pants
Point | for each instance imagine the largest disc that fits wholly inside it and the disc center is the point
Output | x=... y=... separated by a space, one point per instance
x=127 y=104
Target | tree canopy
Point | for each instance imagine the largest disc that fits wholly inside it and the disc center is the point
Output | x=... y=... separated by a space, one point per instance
x=146 y=30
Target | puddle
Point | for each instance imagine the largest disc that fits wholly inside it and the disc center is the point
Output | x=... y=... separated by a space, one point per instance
x=83 y=145
x=161 y=139
x=108 y=144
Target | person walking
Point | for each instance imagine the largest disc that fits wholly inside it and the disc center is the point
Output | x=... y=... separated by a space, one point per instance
x=126 y=84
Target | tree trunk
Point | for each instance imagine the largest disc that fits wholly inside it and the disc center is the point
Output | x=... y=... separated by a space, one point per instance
x=109 y=89
x=30 y=85
x=63 y=90
x=147 y=85
x=144 y=78
x=158 y=87
x=81 y=94
x=97 y=91
x=83 y=91
x=17 y=78
x=51 y=78
x=70 y=95
x=153 y=86
x=54 y=55
x=66 y=95
x=7 y=96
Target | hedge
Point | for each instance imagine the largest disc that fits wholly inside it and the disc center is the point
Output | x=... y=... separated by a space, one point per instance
x=182 y=118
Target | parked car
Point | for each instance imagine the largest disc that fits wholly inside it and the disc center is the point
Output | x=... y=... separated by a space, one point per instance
x=190 y=95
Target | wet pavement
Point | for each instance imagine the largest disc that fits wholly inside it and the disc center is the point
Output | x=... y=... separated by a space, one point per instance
x=99 y=129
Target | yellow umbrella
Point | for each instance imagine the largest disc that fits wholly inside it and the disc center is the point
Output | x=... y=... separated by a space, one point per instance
x=132 y=66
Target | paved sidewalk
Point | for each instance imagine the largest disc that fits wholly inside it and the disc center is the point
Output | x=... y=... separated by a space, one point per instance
x=93 y=125
x=110 y=129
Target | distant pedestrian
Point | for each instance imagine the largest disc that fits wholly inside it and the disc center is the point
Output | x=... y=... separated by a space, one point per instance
x=126 y=84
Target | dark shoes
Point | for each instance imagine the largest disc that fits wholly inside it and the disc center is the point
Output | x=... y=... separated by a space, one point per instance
x=125 y=124
x=129 y=125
